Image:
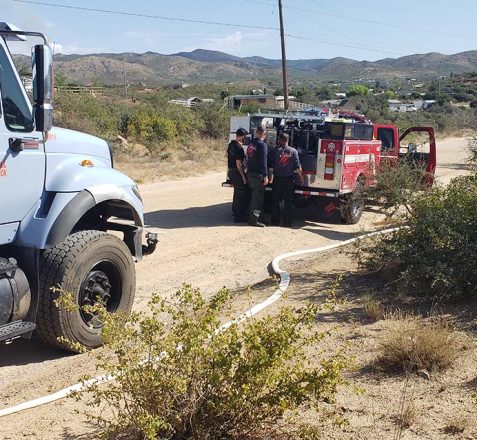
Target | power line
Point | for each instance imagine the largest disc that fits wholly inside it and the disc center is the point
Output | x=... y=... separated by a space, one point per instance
x=373 y=29
x=362 y=20
x=351 y=46
x=348 y=43
x=135 y=14
x=187 y=20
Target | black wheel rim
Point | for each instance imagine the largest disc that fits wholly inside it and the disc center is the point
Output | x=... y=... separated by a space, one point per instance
x=102 y=284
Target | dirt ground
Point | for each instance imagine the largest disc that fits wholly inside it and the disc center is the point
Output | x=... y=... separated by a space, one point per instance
x=437 y=403
x=201 y=245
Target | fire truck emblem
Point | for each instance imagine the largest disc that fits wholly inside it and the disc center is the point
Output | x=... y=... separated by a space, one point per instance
x=284 y=159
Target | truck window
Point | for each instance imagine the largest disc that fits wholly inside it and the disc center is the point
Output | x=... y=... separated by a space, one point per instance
x=15 y=108
x=386 y=136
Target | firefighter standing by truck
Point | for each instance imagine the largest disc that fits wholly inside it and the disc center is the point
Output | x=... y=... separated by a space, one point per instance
x=236 y=174
x=284 y=164
x=257 y=175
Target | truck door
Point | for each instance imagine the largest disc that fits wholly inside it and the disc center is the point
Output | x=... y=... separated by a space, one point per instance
x=388 y=135
x=418 y=146
x=22 y=158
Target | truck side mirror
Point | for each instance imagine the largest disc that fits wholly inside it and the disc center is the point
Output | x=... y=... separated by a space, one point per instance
x=42 y=63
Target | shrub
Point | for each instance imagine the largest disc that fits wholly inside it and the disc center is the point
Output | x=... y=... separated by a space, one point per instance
x=215 y=120
x=397 y=185
x=457 y=424
x=373 y=309
x=411 y=344
x=437 y=251
x=177 y=377
x=88 y=114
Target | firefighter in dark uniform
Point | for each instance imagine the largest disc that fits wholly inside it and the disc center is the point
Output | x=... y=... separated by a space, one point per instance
x=257 y=175
x=284 y=166
x=236 y=174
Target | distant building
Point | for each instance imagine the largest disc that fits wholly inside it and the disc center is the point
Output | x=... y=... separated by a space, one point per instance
x=27 y=83
x=263 y=101
x=397 y=106
x=190 y=102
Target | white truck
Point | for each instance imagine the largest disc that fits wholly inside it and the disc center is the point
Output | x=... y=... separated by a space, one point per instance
x=60 y=199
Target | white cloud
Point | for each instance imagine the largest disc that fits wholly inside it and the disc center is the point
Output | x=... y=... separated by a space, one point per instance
x=227 y=43
x=73 y=49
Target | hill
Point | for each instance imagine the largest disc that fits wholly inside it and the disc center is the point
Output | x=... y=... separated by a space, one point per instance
x=205 y=66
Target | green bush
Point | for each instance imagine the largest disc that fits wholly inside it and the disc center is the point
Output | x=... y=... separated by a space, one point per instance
x=155 y=122
x=215 y=120
x=88 y=114
x=438 y=250
x=177 y=377
x=396 y=185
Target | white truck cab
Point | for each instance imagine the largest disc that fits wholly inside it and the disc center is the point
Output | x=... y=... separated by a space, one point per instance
x=60 y=198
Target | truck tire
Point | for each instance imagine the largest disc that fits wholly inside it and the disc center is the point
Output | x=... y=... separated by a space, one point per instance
x=352 y=206
x=86 y=264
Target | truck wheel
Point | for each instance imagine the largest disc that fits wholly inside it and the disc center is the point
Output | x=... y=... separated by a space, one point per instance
x=88 y=265
x=352 y=207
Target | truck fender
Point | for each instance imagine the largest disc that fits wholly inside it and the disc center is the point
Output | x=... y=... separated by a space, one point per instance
x=66 y=174
x=57 y=214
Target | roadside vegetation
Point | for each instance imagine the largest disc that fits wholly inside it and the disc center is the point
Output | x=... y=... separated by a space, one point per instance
x=178 y=376
x=434 y=255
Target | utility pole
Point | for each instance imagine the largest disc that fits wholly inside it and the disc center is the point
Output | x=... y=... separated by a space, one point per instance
x=284 y=57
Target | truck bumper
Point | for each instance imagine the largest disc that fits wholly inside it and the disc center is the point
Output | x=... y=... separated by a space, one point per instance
x=301 y=190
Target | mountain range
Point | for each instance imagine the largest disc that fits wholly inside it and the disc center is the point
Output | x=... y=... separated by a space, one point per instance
x=206 y=66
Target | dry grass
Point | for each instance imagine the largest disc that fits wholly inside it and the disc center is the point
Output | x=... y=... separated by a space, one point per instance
x=411 y=344
x=176 y=161
x=408 y=416
x=457 y=424
x=372 y=308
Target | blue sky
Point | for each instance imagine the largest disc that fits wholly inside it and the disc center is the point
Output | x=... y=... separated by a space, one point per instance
x=368 y=29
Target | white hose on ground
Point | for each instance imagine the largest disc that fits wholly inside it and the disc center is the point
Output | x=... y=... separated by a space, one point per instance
x=282 y=287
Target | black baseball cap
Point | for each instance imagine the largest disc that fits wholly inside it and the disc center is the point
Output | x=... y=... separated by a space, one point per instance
x=241 y=132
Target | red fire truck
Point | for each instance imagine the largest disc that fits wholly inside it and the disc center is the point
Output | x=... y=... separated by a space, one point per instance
x=339 y=155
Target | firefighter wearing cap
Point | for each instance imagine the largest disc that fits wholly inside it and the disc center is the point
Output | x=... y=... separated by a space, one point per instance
x=257 y=175
x=285 y=164
x=236 y=174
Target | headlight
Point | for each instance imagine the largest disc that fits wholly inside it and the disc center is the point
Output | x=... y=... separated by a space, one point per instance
x=135 y=190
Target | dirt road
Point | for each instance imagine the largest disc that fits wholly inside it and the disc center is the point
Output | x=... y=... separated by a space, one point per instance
x=201 y=246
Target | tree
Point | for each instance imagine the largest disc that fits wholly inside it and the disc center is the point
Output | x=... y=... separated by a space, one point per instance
x=324 y=93
x=357 y=90
x=60 y=79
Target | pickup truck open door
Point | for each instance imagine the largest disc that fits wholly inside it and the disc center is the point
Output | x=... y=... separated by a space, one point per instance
x=423 y=153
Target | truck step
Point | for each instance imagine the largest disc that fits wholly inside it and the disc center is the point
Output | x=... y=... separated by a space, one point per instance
x=14 y=330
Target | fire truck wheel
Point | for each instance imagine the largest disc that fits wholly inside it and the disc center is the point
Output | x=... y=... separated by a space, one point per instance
x=90 y=266
x=352 y=207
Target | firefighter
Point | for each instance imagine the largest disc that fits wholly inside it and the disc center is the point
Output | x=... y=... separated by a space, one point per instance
x=236 y=174
x=284 y=166
x=257 y=175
